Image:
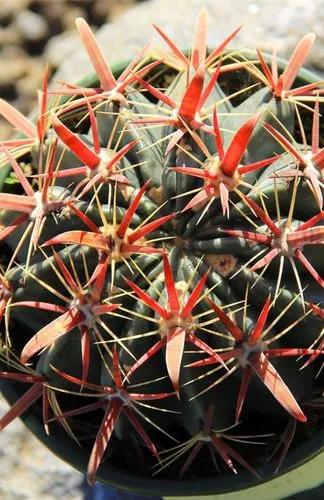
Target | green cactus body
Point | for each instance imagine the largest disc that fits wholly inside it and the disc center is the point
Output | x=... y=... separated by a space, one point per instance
x=164 y=271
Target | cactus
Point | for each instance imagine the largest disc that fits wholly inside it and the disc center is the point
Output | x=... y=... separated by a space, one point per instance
x=161 y=268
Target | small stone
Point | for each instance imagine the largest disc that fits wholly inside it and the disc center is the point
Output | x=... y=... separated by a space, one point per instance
x=29 y=471
x=17 y=68
x=253 y=8
x=9 y=8
x=61 y=47
x=70 y=16
x=262 y=26
x=31 y=25
x=9 y=36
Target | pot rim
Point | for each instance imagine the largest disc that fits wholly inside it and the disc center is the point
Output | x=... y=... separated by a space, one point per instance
x=68 y=451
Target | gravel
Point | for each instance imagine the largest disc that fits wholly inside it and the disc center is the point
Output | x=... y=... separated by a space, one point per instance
x=29 y=471
x=27 y=28
x=268 y=24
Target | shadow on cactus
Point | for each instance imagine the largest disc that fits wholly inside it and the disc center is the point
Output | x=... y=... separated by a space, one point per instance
x=161 y=271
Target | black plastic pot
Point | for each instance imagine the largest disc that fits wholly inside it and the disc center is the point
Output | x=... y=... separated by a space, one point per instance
x=67 y=450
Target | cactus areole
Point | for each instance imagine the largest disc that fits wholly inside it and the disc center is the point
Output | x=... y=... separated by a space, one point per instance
x=161 y=275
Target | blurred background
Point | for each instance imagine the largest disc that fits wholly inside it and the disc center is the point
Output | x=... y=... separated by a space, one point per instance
x=36 y=32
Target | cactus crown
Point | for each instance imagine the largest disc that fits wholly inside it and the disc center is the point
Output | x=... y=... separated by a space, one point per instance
x=161 y=267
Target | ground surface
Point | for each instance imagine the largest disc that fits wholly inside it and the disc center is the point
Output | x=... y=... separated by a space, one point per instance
x=27 y=28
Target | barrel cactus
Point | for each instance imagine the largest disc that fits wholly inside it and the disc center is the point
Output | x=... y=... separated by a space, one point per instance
x=161 y=271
